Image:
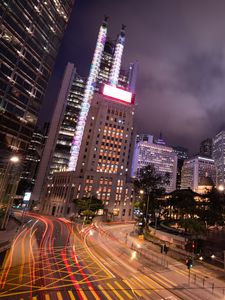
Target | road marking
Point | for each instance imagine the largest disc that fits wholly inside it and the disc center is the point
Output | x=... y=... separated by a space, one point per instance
x=94 y=293
x=104 y=292
x=123 y=290
x=114 y=291
x=134 y=290
x=146 y=282
x=164 y=278
x=47 y=297
x=133 y=281
x=163 y=283
x=59 y=296
x=71 y=295
x=83 y=294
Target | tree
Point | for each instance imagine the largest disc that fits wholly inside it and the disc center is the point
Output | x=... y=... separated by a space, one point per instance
x=153 y=185
x=88 y=206
x=214 y=207
x=183 y=202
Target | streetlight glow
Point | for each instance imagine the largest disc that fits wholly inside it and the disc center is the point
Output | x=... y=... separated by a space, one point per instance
x=14 y=159
x=221 y=188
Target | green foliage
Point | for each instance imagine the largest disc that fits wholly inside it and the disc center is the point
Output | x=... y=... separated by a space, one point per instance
x=183 y=201
x=214 y=208
x=153 y=185
x=193 y=226
x=88 y=206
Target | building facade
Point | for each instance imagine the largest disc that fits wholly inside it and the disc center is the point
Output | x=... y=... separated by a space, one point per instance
x=206 y=148
x=31 y=33
x=163 y=158
x=182 y=154
x=103 y=164
x=218 y=154
x=195 y=170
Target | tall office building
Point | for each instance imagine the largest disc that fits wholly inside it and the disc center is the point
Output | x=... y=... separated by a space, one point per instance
x=57 y=130
x=66 y=120
x=31 y=33
x=218 y=154
x=194 y=172
x=61 y=153
x=206 y=148
x=32 y=160
x=182 y=154
x=103 y=163
x=163 y=158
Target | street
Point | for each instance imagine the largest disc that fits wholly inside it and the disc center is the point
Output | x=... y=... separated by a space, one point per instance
x=52 y=258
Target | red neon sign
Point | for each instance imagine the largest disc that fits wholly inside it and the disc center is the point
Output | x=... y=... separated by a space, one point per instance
x=119 y=94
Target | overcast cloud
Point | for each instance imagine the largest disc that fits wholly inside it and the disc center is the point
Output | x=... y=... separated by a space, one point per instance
x=180 y=49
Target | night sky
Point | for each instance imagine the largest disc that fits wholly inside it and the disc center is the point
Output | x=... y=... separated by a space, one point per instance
x=180 y=48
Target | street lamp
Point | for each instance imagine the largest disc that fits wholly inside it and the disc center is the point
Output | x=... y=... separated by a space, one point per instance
x=9 y=181
x=148 y=190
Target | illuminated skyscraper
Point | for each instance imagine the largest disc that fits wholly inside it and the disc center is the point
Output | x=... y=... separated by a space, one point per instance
x=104 y=158
x=163 y=158
x=218 y=154
x=195 y=170
x=31 y=33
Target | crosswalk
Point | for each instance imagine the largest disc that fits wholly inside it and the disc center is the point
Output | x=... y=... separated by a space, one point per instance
x=137 y=287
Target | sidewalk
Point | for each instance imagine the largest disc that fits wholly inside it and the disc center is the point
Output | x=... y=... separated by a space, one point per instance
x=6 y=236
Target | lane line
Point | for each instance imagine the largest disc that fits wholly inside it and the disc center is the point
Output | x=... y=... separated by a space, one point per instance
x=164 y=278
x=133 y=288
x=162 y=282
x=115 y=292
x=123 y=290
x=71 y=295
x=104 y=292
x=59 y=296
x=137 y=291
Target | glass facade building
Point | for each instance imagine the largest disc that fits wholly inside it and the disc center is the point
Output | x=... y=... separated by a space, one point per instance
x=218 y=154
x=61 y=154
x=195 y=170
x=31 y=33
x=163 y=158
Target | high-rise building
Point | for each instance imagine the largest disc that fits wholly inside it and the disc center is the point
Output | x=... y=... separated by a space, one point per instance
x=182 y=154
x=163 y=158
x=31 y=33
x=56 y=131
x=195 y=170
x=75 y=100
x=32 y=160
x=102 y=167
x=206 y=148
x=142 y=137
x=61 y=153
x=218 y=154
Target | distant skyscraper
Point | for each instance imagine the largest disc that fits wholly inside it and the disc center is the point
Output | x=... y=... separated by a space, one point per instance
x=142 y=137
x=206 y=148
x=103 y=162
x=54 y=130
x=61 y=152
x=31 y=33
x=218 y=154
x=32 y=160
x=182 y=154
x=163 y=158
x=195 y=170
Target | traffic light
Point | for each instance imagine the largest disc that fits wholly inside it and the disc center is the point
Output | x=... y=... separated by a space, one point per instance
x=189 y=263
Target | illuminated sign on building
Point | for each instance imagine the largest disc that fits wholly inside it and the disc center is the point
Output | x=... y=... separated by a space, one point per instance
x=118 y=94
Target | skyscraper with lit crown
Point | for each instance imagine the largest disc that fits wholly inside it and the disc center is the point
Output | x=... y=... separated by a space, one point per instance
x=100 y=153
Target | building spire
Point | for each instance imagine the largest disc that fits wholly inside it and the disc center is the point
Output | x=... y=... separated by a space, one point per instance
x=115 y=70
x=88 y=93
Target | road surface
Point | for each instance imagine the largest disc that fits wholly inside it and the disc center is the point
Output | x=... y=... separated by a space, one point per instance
x=52 y=258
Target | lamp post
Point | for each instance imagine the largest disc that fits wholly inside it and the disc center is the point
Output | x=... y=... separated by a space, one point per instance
x=148 y=190
x=10 y=182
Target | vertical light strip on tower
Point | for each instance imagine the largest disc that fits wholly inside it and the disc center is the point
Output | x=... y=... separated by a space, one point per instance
x=115 y=70
x=89 y=91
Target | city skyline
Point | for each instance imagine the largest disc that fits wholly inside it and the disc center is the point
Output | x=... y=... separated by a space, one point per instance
x=179 y=48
